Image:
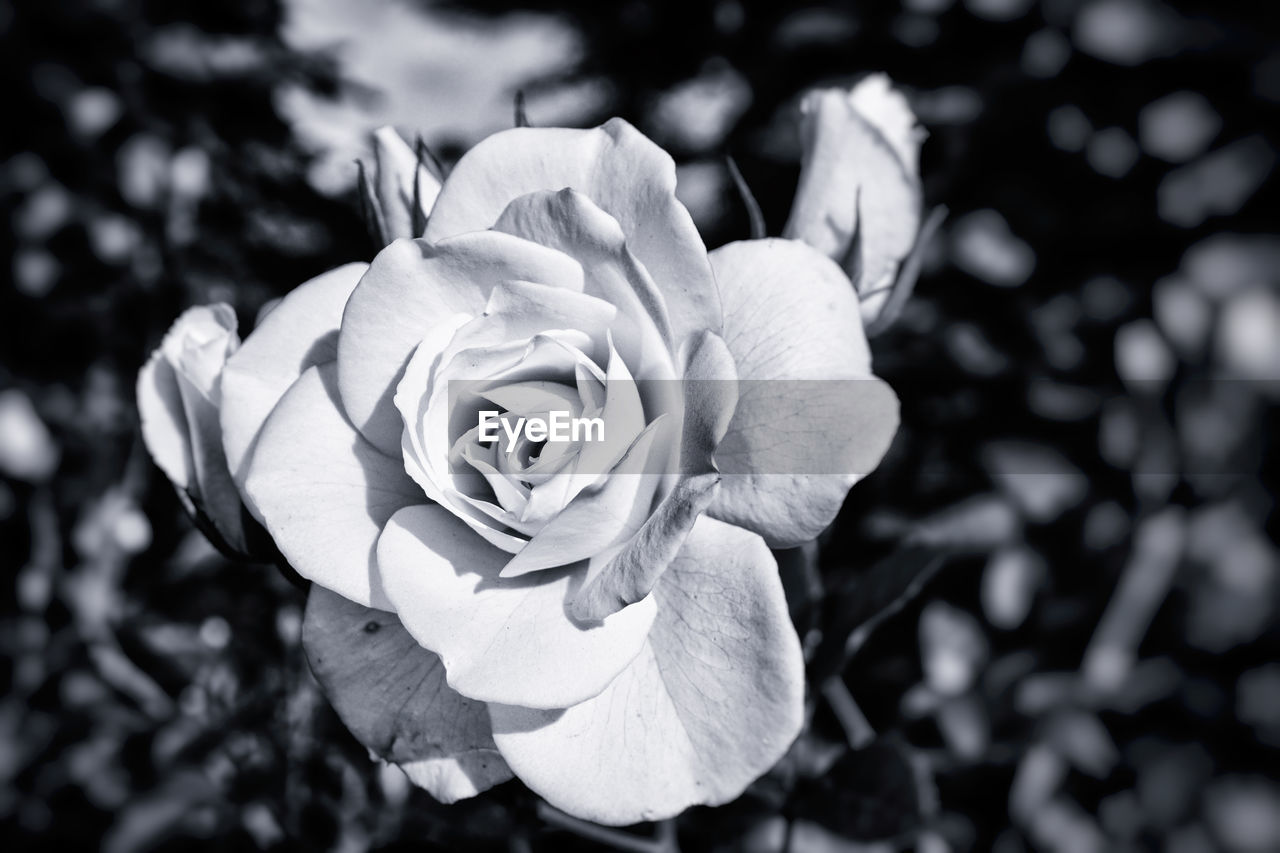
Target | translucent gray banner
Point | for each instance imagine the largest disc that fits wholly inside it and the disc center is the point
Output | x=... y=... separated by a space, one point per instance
x=540 y=427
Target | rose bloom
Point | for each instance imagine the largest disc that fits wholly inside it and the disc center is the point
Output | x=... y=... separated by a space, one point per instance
x=603 y=620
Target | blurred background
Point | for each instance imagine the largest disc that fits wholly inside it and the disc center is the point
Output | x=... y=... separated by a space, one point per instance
x=1048 y=620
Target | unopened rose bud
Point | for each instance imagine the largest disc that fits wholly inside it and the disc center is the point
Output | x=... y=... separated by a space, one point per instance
x=179 y=397
x=859 y=198
x=399 y=198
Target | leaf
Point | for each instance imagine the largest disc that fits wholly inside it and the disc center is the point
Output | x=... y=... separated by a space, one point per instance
x=883 y=791
x=859 y=608
x=150 y=820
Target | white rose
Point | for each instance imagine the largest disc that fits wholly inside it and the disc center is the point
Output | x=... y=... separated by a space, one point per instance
x=607 y=622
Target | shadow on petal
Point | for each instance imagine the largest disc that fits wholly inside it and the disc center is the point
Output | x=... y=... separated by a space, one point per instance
x=391 y=693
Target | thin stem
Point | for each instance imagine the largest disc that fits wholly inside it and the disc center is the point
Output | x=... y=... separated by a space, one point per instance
x=666 y=836
x=856 y=728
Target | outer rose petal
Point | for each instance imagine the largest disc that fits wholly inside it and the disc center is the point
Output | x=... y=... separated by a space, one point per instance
x=214 y=491
x=790 y=314
x=390 y=692
x=616 y=167
x=164 y=422
x=622 y=575
x=410 y=287
x=298 y=332
x=323 y=492
x=501 y=639
x=712 y=701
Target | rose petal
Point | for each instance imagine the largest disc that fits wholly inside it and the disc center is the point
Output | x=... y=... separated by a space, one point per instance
x=502 y=640
x=713 y=700
x=426 y=446
x=491 y=347
x=791 y=321
x=298 y=333
x=412 y=286
x=568 y=221
x=512 y=495
x=206 y=339
x=535 y=396
x=391 y=693
x=164 y=422
x=789 y=312
x=616 y=167
x=619 y=577
x=411 y=398
x=885 y=107
x=323 y=492
x=710 y=396
x=213 y=492
x=623 y=414
x=854 y=181
x=602 y=516
x=622 y=575
x=446 y=410
x=520 y=309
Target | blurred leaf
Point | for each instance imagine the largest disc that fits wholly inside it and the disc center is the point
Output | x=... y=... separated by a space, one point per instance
x=149 y=820
x=858 y=608
x=880 y=792
x=952 y=648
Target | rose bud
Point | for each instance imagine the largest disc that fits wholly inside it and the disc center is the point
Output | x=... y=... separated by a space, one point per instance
x=179 y=398
x=859 y=198
x=397 y=202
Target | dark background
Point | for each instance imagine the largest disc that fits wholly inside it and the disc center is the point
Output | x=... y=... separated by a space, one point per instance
x=1061 y=583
